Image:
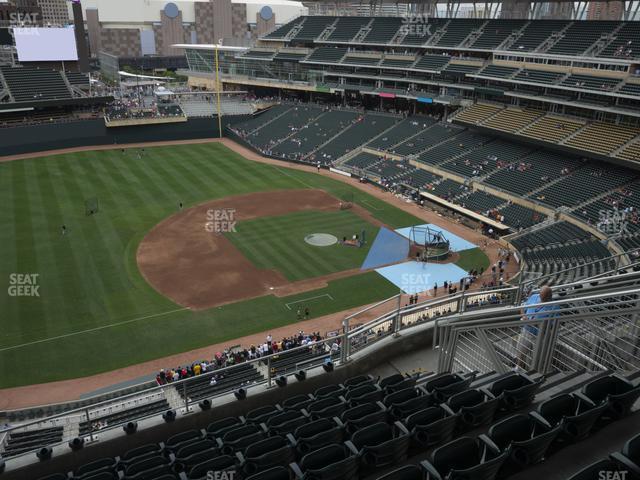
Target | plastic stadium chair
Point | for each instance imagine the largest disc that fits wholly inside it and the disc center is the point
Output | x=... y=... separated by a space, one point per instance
x=401 y=410
x=407 y=382
x=195 y=447
x=365 y=393
x=316 y=434
x=515 y=391
x=574 y=413
x=275 y=473
x=220 y=427
x=629 y=458
x=297 y=402
x=594 y=471
x=527 y=437
x=286 y=422
x=223 y=463
x=618 y=393
x=326 y=408
x=401 y=396
x=476 y=408
x=391 y=380
x=97 y=466
x=262 y=414
x=466 y=457
x=408 y=472
x=380 y=445
x=333 y=462
x=444 y=386
x=267 y=453
x=357 y=381
x=239 y=438
x=363 y=415
x=141 y=452
x=104 y=475
x=329 y=391
x=55 y=476
x=179 y=440
x=152 y=473
x=146 y=464
x=185 y=464
x=631 y=449
x=432 y=426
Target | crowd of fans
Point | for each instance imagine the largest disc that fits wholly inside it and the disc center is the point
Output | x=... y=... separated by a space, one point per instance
x=132 y=109
x=235 y=356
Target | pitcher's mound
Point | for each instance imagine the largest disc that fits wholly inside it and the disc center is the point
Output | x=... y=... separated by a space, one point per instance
x=321 y=239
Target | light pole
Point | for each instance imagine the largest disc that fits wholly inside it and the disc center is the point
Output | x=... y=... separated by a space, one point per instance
x=218 y=91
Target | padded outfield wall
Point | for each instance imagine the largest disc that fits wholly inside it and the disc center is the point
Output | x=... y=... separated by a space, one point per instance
x=38 y=138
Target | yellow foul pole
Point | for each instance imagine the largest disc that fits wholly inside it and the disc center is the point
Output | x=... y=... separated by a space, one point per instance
x=218 y=93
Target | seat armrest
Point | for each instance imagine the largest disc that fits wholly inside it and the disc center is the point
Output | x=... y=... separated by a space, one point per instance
x=483 y=438
x=540 y=419
x=297 y=471
x=349 y=444
x=292 y=440
x=583 y=398
x=400 y=426
x=432 y=472
x=625 y=462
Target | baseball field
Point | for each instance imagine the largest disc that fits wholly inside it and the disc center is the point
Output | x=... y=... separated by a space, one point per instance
x=76 y=302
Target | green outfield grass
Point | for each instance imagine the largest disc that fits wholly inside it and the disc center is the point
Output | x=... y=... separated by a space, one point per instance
x=473 y=258
x=95 y=312
x=278 y=243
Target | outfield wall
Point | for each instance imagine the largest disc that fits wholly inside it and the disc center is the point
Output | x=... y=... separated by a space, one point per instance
x=87 y=133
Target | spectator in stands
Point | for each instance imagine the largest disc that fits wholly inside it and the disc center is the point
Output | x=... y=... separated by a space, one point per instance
x=534 y=309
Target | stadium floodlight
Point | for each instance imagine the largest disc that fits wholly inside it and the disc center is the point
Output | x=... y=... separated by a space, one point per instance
x=240 y=394
x=281 y=381
x=301 y=376
x=169 y=416
x=205 y=404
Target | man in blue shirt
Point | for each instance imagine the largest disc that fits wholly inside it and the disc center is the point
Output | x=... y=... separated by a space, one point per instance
x=534 y=309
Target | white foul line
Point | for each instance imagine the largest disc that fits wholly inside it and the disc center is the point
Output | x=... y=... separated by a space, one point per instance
x=35 y=342
x=306 y=299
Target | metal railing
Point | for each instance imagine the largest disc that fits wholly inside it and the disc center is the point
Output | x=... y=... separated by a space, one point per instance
x=474 y=330
x=594 y=332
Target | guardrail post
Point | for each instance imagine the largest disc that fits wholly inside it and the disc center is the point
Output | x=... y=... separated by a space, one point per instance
x=86 y=412
x=186 y=397
x=462 y=302
x=344 y=350
x=269 y=372
x=397 y=319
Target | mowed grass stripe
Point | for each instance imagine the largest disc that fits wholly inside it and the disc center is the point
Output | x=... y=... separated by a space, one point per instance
x=106 y=248
x=67 y=253
x=57 y=294
x=27 y=258
x=223 y=172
